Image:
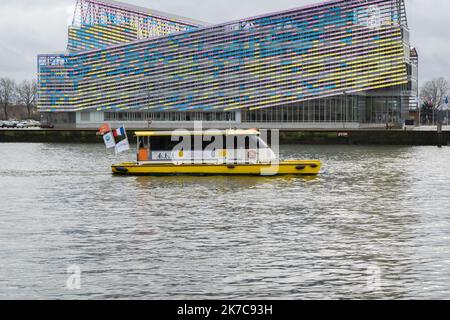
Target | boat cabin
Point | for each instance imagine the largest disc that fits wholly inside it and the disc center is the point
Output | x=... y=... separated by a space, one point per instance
x=213 y=146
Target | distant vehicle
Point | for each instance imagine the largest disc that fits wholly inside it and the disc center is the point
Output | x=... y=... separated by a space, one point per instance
x=9 y=124
x=47 y=125
x=33 y=123
x=19 y=124
x=22 y=125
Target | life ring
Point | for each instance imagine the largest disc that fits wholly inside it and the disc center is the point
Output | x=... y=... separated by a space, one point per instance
x=252 y=154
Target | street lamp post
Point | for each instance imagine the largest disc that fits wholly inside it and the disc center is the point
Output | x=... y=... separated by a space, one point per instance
x=446 y=106
x=345 y=108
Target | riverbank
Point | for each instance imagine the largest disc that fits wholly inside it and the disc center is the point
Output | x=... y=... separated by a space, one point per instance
x=360 y=137
x=352 y=137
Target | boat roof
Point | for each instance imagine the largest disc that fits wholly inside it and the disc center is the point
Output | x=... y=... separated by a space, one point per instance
x=250 y=132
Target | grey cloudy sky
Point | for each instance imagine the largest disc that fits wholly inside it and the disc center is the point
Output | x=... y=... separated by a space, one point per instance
x=29 y=27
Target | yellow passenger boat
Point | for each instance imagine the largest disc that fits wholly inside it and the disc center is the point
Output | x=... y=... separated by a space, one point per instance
x=213 y=152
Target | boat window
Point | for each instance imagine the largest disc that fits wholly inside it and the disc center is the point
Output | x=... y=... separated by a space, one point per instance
x=253 y=144
x=212 y=141
x=143 y=142
x=247 y=143
x=242 y=142
x=163 y=143
x=261 y=143
x=155 y=143
x=228 y=142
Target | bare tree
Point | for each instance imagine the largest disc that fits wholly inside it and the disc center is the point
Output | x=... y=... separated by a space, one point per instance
x=434 y=92
x=7 y=94
x=26 y=95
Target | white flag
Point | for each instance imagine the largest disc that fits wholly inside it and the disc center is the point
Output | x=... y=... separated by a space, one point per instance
x=122 y=146
x=109 y=140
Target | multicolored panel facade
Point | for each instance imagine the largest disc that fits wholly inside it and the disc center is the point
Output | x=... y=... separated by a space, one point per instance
x=99 y=24
x=329 y=49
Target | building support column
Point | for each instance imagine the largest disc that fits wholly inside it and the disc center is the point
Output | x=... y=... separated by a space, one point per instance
x=238 y=115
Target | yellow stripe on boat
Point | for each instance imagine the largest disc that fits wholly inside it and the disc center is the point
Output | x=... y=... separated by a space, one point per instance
x=292 y=167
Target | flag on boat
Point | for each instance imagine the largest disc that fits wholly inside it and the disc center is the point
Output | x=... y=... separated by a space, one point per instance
x=120 y=132
x=122 y=146
x=108 y=138
x=104 y=129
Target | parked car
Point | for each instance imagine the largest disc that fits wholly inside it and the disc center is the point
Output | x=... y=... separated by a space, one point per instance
x=33 y=124
x=9 y=124
x=22 y=125
x=47 y=125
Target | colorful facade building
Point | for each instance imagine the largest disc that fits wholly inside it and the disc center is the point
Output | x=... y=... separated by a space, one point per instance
x=336 y=64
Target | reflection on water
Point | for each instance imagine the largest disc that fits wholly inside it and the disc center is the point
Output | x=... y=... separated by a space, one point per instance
x=374 y=224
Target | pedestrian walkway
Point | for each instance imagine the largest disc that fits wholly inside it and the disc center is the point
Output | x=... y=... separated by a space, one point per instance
x=431 y=128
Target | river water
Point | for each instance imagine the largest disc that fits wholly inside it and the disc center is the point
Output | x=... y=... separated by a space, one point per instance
x=375 y=224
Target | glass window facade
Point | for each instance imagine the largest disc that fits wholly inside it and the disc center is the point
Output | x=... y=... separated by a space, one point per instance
x=170 y=116
x=332 y=109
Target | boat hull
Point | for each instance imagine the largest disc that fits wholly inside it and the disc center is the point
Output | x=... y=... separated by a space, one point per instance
x=305 y=168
